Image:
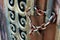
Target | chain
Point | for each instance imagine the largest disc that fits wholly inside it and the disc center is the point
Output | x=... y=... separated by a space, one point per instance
x=36 y=10
x=44 y=25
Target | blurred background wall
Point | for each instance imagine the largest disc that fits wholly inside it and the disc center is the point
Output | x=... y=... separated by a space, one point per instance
x=3 y=33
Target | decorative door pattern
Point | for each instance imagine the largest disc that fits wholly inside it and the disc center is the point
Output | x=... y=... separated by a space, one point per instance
x=30 y=19
x=16 y=19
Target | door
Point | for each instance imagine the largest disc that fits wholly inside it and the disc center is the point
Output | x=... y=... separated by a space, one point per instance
x=18 y=24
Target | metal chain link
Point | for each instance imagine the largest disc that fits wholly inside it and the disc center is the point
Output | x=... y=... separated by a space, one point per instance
x=44 y=25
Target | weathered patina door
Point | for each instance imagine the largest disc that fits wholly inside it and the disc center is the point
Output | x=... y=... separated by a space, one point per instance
x=22 y=14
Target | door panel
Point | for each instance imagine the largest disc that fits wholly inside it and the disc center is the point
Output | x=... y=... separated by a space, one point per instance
x=18 y=24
